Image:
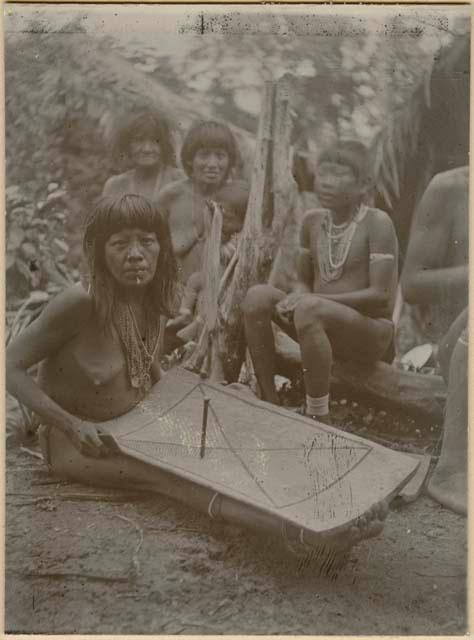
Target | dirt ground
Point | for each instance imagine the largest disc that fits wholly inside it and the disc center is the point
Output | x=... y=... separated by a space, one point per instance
x=87 y=560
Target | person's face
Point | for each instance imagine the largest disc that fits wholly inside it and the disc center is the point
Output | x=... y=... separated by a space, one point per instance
x=210 y=166
x=131 y=256
x=336 y=185
x=145 y=151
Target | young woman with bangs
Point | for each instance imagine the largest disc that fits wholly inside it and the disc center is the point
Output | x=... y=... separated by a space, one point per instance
x=208 y=156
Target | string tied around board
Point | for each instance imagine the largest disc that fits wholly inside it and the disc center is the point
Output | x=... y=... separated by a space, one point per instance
x=211 y=503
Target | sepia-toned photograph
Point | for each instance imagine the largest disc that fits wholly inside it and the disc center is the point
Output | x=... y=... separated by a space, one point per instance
x=236 y=319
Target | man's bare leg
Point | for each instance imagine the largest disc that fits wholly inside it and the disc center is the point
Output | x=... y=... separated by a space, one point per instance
x=258 y=308
x=325 y=327
x=448 y=484
x=312 y=316
x=321 y=323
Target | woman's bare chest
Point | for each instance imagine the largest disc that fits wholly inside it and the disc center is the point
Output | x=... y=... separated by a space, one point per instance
x=184 y=213
x=99 y=358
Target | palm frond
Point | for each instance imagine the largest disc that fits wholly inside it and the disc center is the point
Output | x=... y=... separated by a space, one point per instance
x=419 y=136
x=398 y=141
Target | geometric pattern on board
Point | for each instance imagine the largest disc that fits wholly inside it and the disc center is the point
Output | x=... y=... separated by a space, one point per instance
x=174 y=439
x=288 y=471
x=274 y=470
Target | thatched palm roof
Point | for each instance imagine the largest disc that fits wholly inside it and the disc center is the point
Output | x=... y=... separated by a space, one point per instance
x=427 y=135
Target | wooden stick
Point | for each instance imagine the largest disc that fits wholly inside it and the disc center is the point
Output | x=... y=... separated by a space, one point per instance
x=204 y=426
x=60 y=575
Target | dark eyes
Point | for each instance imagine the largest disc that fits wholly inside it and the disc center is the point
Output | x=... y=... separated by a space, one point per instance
x=142 y=140
x=338 y=171
x=203 y=155
x=122 y=244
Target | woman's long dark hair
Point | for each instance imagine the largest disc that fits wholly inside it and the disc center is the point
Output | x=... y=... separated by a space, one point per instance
x=111 y=215
x=144 y=123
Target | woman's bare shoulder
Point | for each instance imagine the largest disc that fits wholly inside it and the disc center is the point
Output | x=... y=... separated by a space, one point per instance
x=174 y=189
x=171 y=193
x=74 y=304
x=116 y=184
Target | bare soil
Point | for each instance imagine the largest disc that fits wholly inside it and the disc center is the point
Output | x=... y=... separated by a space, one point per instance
x=86 y=560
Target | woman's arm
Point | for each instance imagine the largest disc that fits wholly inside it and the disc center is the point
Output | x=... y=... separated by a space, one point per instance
x=59 y=323
x=175 y=204
x=156 y=371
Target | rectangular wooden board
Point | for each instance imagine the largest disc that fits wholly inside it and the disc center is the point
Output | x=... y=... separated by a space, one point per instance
x=298 y=470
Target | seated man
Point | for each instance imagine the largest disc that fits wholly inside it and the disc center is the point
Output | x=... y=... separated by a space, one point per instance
x=346 y=285
x=436 y=275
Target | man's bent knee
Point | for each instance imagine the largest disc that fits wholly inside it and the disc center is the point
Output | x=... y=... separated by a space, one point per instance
x=259 y=298
x=311 y=312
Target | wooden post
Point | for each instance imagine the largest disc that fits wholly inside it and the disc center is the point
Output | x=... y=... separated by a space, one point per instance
x=273 y=196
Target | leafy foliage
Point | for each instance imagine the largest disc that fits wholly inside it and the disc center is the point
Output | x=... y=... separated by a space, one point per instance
x=66 y=90
x=426 y=135
x=36 y=250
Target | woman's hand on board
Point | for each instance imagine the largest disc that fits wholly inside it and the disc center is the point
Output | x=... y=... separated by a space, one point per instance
x=91 y=440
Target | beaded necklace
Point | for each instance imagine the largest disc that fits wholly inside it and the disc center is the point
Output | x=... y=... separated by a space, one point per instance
x=139 y=352
x=334 y=243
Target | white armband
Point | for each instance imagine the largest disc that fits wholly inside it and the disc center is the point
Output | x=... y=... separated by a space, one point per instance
x=377 y=257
